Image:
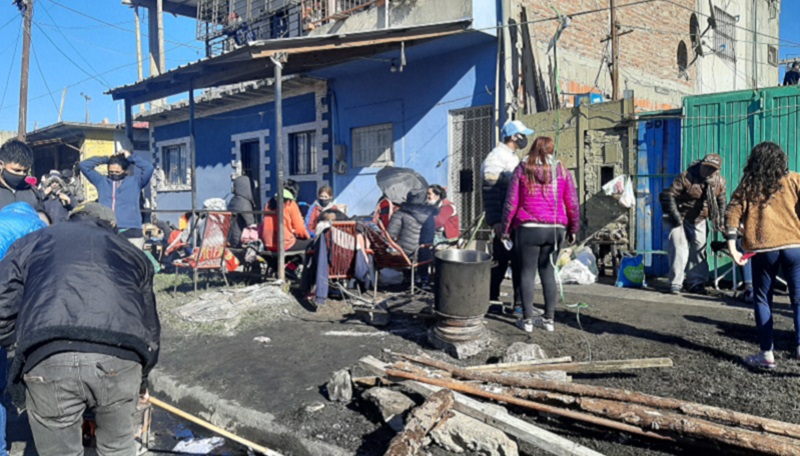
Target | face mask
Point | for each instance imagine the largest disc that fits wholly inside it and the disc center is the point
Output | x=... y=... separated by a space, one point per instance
x=116 y=177
x=14 y=181
x=521 y=142
x=324 y=201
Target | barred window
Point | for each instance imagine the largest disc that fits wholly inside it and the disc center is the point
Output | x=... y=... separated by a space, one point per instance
x=725 y=35
x=175 y=161
x=372 y=146
x=302 y=153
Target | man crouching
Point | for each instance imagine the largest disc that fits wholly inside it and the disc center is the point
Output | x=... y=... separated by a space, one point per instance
x=78 y=300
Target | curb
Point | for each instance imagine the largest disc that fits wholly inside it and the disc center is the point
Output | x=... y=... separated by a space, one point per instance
x=251 y=424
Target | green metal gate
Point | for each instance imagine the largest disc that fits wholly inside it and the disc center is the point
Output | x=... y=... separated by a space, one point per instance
x=731 y=123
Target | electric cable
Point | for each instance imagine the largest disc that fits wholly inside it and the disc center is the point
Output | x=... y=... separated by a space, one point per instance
x=64 y=54
x=41 y=74
x=11 y=67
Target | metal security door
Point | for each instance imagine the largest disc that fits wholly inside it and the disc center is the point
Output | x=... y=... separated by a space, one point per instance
x=470 y=142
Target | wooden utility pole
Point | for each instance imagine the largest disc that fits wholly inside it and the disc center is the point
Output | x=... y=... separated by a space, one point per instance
x=26 y=6
x=614 y=52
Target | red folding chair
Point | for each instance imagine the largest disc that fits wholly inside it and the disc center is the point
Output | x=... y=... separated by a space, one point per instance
x=386 y=254
x=210 y=256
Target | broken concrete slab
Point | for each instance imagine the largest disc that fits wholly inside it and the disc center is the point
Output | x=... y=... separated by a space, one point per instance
x=521 y=351
x=393 y=405
x=340 y=386
x=459 y=350
x=459 y=433
x=257 y=426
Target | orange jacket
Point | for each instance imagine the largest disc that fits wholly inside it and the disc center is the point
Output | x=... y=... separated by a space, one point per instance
x=293 y=227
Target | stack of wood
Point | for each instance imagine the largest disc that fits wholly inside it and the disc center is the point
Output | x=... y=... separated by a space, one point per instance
x=661 y=418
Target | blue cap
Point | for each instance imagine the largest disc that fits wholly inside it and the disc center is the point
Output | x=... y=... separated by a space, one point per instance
x=514 y=127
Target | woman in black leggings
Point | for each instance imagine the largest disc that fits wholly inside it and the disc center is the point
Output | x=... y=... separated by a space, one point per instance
x=542 y=209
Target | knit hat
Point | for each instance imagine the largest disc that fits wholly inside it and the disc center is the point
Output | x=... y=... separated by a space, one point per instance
x=97 y=211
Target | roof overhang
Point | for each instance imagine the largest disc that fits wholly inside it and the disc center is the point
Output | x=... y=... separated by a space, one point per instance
x=70 y=132
x=186 y=8
x=252 y=62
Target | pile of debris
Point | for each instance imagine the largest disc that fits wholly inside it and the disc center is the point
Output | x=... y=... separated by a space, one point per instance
x=456 y=422
x=451 y=419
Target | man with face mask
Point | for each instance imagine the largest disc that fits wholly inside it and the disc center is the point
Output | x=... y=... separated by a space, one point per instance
x=120 y=189
x=496 y=172
x=696 y=198
x=16 y=159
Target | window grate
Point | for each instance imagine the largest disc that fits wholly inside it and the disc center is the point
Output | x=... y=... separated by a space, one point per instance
x=372 y=146
x=175 y=160
x=725 y=35
x=302 y=153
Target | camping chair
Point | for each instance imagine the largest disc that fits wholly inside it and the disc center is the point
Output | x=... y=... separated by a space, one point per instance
x=466 y=237
x=386 y=254
x=342 y=243
x=210 y=255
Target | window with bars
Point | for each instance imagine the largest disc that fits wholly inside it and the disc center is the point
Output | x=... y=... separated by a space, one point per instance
x=175 y=163
x=302 y=153
x=725 y=35
x=372 y=146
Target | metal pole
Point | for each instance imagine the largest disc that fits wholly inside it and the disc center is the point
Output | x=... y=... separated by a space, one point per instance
x=138 y=29
x=160 y=18
x=61 y=109
x=129 y=122
x=279 y=161
x=193 y=174
x=614 y=52
x=26 y=58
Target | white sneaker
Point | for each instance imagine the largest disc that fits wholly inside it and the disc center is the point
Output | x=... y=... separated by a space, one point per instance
x=525 y=325
x=762 y=360
x=544 y=323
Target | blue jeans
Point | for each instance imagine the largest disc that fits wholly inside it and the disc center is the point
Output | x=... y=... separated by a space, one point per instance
x=747 y=270
x=3 y=417
x=765 y=269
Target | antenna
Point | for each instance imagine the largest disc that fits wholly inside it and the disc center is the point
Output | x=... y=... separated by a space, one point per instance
x=88 y=99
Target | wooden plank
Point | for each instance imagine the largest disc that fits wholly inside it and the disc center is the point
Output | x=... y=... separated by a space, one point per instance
x=580 y=367
x=419 y=423
x=520 y=364
x=494 y=415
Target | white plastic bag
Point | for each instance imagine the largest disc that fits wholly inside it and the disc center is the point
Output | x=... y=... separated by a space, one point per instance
x=577 y=272
x=615 y=186
x=628 y=198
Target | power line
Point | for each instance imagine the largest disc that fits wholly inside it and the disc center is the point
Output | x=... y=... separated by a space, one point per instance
x=41 y=74
x=71 y=46
x=64 y=54
x=10 y=68
x=112 y=25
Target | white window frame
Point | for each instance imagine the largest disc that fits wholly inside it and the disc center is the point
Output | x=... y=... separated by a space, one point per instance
x=319 y=140
x=378 y=162
x=163 y=186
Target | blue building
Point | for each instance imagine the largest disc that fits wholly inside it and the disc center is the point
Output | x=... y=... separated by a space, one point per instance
x=420 y=94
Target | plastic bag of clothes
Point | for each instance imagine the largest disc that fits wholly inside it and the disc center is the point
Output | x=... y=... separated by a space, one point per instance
x=577 y=272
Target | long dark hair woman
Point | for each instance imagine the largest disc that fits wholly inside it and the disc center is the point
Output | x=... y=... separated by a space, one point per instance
x=765 y=204
x=542 y=209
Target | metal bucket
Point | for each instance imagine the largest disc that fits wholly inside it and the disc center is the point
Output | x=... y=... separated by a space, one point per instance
x=462 y=283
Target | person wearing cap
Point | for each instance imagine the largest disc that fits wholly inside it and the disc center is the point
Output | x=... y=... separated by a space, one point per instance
x=496 y=172
x=695 y=197
x=792 y=77
x=121 y=189
x=86 y=328
x=74 y=186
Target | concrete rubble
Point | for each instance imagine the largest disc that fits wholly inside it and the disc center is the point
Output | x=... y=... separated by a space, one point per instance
x=392 y=405
x=340 y=386
x=521 y=351
x=459 y=433
x=229 y=305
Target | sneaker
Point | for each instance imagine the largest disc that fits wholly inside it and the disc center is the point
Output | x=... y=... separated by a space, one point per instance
x=544 y=323
x=675 y=290
x=761 y=360
x=525 y=325
x=747 y=295
x=698 y=289
x=518 y=311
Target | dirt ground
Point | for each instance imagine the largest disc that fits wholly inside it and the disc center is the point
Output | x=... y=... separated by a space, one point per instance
x=705 y=336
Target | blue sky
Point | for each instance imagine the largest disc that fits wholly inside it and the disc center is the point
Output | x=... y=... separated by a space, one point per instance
x=89 y=46
x=86 y=46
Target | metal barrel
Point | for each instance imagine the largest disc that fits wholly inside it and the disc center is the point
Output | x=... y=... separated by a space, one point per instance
x=462 y=283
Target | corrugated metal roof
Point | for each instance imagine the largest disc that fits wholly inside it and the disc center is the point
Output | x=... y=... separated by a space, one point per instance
x=307 y=53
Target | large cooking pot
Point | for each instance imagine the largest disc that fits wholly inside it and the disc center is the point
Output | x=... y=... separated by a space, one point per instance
x=462 y=283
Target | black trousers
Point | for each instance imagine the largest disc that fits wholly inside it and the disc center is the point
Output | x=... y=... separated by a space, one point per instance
x=536 y=249
x=502 y=259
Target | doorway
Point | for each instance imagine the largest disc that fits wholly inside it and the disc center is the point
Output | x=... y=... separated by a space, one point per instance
x=251 y=167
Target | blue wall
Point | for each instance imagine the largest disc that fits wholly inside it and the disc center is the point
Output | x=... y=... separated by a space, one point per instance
x=213 y=144
x=445 y=74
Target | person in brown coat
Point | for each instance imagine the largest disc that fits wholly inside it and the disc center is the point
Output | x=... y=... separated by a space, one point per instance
x=697 y=195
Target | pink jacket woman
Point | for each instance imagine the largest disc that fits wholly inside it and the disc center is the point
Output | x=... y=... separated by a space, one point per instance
x=532 y=202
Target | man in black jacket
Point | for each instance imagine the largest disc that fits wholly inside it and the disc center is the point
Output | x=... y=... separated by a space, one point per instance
x=78 y=300
x=16 y=159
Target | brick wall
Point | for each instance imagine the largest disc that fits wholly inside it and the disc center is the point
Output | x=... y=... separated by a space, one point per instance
x=648 y=55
